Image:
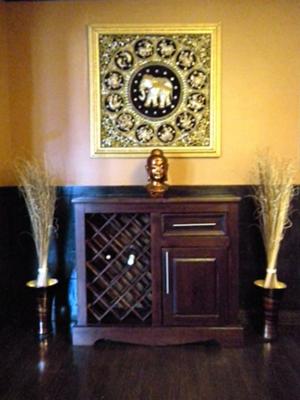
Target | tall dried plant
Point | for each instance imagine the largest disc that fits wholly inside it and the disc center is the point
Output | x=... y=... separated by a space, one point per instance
x=39 y=193
x=273 y=194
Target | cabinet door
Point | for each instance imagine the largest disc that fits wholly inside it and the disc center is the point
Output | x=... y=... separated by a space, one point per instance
x=194 y=281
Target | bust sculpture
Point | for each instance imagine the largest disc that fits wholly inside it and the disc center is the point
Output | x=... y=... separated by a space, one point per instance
x=157 y=168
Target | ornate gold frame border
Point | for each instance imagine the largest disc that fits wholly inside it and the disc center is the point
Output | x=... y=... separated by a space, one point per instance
x=95 y=30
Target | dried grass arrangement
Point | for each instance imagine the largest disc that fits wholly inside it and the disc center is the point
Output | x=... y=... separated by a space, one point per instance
x=273 y=194
x=39 y=194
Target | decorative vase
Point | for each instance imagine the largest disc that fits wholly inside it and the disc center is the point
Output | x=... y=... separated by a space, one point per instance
x=43 y=302
x=271 y=299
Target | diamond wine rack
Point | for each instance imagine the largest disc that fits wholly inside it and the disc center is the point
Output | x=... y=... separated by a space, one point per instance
x=118 y=272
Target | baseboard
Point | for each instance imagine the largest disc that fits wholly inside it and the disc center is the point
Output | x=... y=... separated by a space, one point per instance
x=286 y=317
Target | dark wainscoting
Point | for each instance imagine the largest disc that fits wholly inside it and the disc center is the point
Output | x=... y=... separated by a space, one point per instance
x=17 y=256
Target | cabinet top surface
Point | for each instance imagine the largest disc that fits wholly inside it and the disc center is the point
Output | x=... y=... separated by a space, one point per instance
x=164 y=200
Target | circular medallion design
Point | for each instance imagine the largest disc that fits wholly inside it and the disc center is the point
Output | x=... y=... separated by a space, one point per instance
x=144 y=133
x=166 y=48
x=113 y=80
x=186 y=59
x=196 y=102
x=114 y=102
x=197 y=79
x=124 y=60
x=155 y=91
x=185 y=121
x=166 y=133
x=144 y=48
x=125 y=122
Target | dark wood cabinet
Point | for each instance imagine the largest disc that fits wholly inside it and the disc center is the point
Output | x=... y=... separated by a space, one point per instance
x=157 y=271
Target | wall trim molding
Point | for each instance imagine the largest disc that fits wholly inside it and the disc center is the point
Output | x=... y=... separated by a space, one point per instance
x=286 y=317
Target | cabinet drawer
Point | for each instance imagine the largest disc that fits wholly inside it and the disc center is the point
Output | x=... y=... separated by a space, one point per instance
x=194 y=224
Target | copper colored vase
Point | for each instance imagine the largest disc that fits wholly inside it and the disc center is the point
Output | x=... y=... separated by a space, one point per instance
x=43 y=302
x=271 y=299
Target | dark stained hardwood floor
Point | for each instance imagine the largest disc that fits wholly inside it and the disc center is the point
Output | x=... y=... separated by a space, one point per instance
x=111 y=371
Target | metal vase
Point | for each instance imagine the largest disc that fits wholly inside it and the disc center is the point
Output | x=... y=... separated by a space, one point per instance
x=271 y=300
x=43 y=297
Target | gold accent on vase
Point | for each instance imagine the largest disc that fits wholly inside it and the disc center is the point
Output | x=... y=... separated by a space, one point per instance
x=50 y=282
x=261 y=282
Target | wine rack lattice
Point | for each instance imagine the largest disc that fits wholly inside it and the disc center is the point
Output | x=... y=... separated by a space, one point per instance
x=118 y=268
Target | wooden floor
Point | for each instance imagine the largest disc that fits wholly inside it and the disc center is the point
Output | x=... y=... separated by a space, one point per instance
x=110 y=371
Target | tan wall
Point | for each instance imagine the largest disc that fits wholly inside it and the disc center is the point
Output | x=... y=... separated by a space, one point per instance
x=49 y=85
x=5 y=133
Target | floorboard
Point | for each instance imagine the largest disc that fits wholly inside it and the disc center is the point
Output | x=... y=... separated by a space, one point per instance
x=55 y=369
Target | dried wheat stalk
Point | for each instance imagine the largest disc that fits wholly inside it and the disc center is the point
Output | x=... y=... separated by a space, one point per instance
x=39 y=193
x=273 y=195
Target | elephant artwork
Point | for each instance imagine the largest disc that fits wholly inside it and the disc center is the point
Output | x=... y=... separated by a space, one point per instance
x=156 y=92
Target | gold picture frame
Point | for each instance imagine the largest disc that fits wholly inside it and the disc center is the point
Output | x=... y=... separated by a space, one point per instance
x=154 y=86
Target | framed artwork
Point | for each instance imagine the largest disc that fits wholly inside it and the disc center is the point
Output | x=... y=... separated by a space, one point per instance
x=154 y=87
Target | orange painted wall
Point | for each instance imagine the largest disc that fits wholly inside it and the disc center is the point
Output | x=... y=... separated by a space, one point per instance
x=5 y=132
x=48 y=80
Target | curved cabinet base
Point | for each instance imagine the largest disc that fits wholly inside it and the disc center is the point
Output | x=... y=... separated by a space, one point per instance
x=160 y=336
